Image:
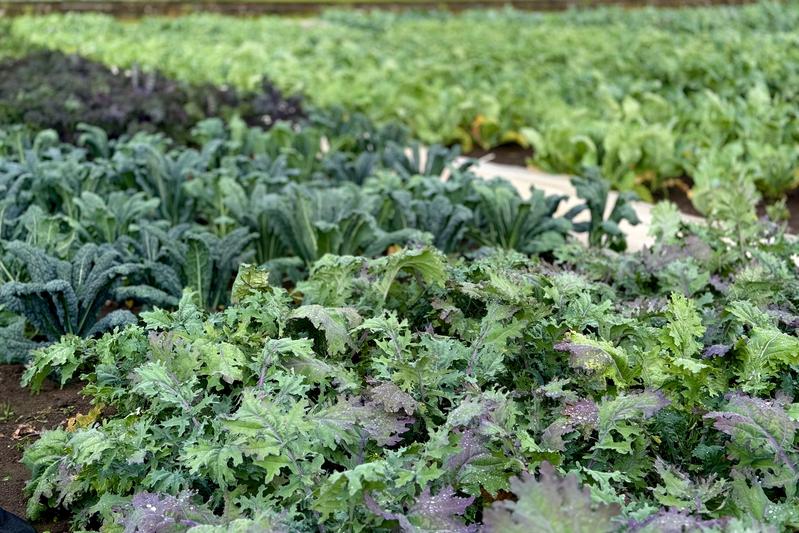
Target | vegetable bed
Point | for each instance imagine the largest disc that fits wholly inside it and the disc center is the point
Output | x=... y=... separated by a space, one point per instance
x=418 y=393
x=654 y=98
x=410 y=353
x=299 y=319
x=91 y=232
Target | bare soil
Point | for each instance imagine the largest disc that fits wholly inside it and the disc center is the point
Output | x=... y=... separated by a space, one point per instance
x=506 y=154
x=23 y=417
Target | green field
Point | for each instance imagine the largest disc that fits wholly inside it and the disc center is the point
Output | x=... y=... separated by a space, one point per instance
x=302 y=314
x=649 y=96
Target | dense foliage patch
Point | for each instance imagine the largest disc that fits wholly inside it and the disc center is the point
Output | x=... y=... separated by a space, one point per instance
x=49 y=89
x=650 y=96
x=416 y=393
x=93 y=233
x=320 y=326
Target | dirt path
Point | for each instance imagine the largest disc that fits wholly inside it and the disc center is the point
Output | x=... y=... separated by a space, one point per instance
x=22 y=417
x=523 y=178
x=511 y=162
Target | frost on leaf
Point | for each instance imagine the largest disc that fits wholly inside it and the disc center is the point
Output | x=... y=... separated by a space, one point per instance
x=392 y=398
x=550 y=504
x=472 y=446
x=377 y=422
x=583 y=414
x=596 y=357
x=674 y=521
x=716 y=350
x=385 y=428
x=441 y=512
x=584 y=356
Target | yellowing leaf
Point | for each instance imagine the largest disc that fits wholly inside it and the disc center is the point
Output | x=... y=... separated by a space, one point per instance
x=82 y=421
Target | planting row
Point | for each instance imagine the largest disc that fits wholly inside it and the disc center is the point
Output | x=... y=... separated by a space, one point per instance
x=653 y=98
x=599 y=392
x=52 y=90
x=91 y=233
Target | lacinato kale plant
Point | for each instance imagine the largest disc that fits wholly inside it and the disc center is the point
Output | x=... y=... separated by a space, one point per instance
x=175 y=217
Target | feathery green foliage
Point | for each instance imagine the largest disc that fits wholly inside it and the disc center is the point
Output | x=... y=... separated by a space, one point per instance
x=416 y=392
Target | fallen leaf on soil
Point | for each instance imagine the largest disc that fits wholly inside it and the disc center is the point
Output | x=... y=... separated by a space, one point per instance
x=24 y=430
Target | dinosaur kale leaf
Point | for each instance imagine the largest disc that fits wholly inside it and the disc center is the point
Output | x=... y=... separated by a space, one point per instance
x=68 y=297
x=505 y=220
x=602 y=226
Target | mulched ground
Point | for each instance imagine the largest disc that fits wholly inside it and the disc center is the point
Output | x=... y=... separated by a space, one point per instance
x=22 y=417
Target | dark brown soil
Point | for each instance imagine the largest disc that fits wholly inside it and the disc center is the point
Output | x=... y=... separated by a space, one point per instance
x=138 y=8
x=506 y=154
x=679 y=197
x=792 y=203
x=22 y=417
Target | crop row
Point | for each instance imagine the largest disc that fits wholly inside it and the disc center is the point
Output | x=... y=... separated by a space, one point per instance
x=52 y=90
x=308 y=329
x=650 y=97
x=577 y=390
x=89 y=232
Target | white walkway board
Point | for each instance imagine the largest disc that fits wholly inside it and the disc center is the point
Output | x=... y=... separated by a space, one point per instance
x=524 y=178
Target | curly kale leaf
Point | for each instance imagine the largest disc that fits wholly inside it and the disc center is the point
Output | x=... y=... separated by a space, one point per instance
x=762 y=438
x=549 y=503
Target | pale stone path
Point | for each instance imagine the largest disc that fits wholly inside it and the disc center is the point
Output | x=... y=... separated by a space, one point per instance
x=524 y=178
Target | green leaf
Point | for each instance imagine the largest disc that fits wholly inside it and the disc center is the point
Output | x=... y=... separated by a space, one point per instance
x=429 y=264
x=684 y=327
x=551 y=503
x=249 y=279
x=336 y=324
x=766 y=351
x=198 y=267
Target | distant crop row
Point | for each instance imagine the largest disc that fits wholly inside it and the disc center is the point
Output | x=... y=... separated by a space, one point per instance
x=51 y=90
x=651 y=97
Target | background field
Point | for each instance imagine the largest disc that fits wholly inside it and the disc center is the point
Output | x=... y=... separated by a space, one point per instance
x=134 y=7
x=294 y=306
x=655 y=98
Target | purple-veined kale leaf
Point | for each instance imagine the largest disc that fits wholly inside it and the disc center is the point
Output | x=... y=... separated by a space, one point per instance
x=551 y=503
